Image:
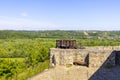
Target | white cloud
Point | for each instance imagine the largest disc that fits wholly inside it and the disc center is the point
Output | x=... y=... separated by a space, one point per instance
x=25 y=24
x=24 y=14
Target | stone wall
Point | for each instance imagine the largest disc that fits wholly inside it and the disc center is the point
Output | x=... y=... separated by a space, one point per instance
x=67 y=56
x=96 y=56
x=98 y=59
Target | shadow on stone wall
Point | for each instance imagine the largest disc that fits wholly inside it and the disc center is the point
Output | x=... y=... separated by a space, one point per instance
x=87 y=60
x=110 y=69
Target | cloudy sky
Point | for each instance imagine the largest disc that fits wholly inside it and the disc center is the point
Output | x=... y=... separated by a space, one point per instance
x=60 y=15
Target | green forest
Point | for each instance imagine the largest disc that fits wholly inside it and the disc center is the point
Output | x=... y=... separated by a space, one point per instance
x=26 y=53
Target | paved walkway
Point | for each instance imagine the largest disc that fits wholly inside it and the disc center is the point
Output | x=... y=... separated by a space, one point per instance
x=62 y=73
x=78 y=73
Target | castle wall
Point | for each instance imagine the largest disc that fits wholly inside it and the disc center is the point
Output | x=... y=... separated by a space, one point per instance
x=98 y=59
x=96 y=56
x=67 y=56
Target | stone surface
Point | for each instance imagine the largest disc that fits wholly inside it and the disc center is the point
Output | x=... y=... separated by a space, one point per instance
x=94 y=56
x=79 y=73
x=101 y=64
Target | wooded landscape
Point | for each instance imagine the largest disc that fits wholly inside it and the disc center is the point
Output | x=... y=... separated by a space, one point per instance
x=26 y=53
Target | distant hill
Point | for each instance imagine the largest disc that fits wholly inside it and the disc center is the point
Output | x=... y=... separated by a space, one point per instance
x=62 y=34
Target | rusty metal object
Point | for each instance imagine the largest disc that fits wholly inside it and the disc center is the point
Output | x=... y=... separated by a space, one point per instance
x=66 y=44
x=80 y=63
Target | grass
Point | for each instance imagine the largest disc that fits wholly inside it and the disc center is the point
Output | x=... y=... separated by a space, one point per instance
x=13 y=59
x=68 y=65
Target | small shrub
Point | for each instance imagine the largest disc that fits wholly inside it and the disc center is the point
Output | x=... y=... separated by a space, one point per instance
x=68 y=65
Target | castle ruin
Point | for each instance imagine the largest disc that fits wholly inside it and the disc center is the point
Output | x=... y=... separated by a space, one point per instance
x=70 y=62
x=89 y=56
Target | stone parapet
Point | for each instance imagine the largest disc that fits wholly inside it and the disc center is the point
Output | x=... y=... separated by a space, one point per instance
x=93 y=56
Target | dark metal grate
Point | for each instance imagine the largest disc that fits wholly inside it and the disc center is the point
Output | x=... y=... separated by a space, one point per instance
x=66 y=44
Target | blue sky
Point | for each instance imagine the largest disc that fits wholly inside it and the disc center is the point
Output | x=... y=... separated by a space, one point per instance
x=60 y=15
